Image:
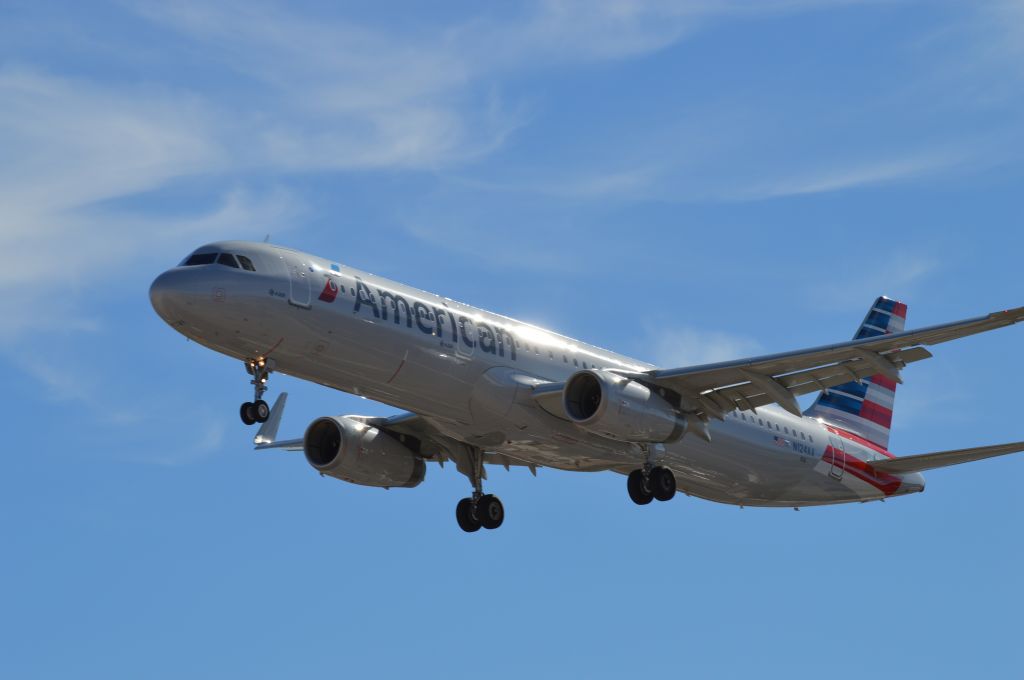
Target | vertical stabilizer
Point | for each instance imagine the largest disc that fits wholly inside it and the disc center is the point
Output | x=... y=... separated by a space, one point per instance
x=865 y=408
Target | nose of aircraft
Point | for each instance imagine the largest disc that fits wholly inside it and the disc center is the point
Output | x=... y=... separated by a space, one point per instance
x=165 y=294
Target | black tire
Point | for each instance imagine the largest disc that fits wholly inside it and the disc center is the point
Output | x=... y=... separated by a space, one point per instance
x=639 y=492
x=248 y=413
x=662 y=483
x=464 y=515
x=261 y=411
x=490 y=512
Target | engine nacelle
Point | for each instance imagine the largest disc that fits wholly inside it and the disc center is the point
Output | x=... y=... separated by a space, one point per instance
x=619 y=408
x=355 y=452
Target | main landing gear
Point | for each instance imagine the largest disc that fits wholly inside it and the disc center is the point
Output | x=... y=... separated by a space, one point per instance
x=480 y=509
x=648 y=483
x=257 y=411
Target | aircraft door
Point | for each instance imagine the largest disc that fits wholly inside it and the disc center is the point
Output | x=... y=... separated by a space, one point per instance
x=838 y=466
x=299 y=278
x=468 y=338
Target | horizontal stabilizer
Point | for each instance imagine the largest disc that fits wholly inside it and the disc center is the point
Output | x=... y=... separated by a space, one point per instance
x=930 y=461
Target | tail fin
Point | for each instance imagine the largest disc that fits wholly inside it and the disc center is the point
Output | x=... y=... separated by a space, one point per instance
x=865 y=408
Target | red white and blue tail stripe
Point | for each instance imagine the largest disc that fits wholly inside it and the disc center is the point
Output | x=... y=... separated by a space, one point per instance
x=865 y=408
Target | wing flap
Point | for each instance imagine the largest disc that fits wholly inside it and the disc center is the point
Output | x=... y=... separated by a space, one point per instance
x=930 y=461
x=749 y=395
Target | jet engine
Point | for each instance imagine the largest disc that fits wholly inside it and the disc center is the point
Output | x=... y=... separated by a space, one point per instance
x=616 y=407
x=355 y=452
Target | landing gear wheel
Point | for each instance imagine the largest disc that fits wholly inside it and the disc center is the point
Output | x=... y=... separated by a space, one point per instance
x=490 y=511
x=662 y=483
x=466 y=517
x=261 y=411
x=257 y=411
x=638 y=488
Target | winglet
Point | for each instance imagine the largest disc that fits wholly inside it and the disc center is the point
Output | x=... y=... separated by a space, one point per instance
x=268 y=431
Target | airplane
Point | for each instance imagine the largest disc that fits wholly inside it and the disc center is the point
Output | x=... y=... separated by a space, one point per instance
x=480 y=389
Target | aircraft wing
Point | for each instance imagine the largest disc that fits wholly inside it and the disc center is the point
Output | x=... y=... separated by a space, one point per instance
x=930 y=461
x=745 y=384
x=432 y=444
x=436 y=446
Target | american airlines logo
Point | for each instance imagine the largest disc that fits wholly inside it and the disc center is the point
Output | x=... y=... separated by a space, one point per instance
x=440 y=322
x=330 y=291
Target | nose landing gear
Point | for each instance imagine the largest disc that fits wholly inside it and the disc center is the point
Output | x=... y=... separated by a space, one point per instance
x=257 y=411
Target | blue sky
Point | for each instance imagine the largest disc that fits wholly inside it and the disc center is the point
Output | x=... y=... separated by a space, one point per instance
x=681 y=182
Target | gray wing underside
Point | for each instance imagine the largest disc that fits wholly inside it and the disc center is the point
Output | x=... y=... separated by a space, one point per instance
x=434 y=445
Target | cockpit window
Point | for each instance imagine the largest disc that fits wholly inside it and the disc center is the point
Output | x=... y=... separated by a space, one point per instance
x=227 y=259
x=201 y=258
x=246 y=263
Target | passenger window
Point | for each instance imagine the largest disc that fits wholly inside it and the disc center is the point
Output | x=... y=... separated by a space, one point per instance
x=802 y=436
x=227 y=259
x=810 y=438
x=201 y=258
x=576 y=362
x=565 y=358
x=760 y=422
x=246 y=263
x=786 y=430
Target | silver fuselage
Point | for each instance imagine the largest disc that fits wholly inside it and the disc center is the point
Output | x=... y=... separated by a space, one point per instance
x=471 y=372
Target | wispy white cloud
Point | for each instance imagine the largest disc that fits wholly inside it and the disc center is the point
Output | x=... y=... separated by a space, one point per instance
x=575 y=31
x=93 y=247
x=485 y=240
x=613 y=183
x=170 y=452
x=69 y=143
x=351 y=96
x=855 y=175
x=687 y=346
x=70 y=384
x=898 y=276
x=312 y=91
x=345 y=96
x=682 y=183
